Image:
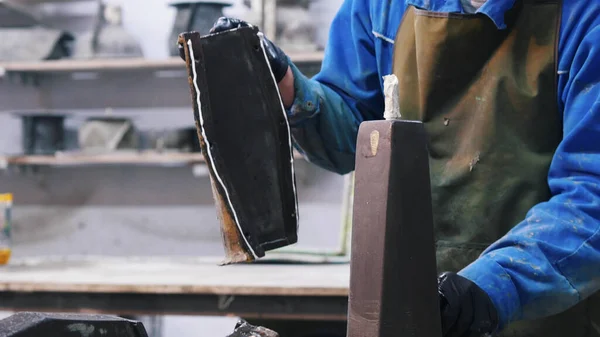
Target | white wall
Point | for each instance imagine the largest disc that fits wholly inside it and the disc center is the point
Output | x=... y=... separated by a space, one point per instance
x=150 y=21
x=154 y=37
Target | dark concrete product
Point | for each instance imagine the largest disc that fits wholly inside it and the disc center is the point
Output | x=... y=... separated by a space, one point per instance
x=27 y=324
x=393 y=287
x=42 y=133
x=245 y=139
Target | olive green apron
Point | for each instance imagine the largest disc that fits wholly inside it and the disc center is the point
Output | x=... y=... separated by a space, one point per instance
x=488 y=100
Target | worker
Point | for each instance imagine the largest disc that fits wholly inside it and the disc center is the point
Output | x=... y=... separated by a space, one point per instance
x=509 y=94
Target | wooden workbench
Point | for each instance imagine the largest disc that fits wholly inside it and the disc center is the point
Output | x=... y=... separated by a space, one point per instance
x=176 y=286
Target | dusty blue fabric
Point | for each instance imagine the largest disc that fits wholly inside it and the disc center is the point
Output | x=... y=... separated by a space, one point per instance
x=551 y=260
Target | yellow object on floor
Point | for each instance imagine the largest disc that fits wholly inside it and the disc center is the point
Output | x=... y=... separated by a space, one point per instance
x=4 y=255
x=5 y=227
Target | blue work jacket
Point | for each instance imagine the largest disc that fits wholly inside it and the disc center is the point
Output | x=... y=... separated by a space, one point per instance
x=551 y=260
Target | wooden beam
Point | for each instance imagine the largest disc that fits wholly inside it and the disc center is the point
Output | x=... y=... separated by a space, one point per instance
x=393 y=288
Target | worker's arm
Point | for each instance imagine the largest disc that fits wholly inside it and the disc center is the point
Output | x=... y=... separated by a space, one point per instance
x=328 y=108
x=325 y=112
x=551 y=261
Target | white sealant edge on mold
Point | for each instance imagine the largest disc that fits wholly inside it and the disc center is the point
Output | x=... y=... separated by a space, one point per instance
x=261 y=37
x=237 y=222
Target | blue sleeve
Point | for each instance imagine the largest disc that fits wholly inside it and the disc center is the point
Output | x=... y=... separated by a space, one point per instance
x=551 y=261
x=328 y=108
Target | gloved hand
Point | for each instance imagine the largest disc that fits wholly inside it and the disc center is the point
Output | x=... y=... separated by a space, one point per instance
x=277 y=58
x=467 y=311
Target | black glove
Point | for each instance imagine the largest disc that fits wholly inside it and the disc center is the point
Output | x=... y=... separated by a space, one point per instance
x=277 y=58
x=467 y=311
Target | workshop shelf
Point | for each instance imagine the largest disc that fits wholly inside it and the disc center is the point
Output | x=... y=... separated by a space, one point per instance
x=68 y=159
x=77 y=159
x=120 y=64
x=126 y=83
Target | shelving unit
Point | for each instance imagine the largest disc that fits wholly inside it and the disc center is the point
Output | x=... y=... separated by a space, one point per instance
x=124 y=158
x=123 y=64
x=101 y=84
x=126 y=83
x=139 y=158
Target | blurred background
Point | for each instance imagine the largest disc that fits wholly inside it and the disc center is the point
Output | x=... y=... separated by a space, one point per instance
x=97 y=138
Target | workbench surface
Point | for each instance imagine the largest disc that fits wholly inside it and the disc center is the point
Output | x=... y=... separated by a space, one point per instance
x=174 y=276
x=176 y=286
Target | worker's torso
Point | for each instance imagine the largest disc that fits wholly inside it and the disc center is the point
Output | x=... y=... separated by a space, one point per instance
x=488 y=99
